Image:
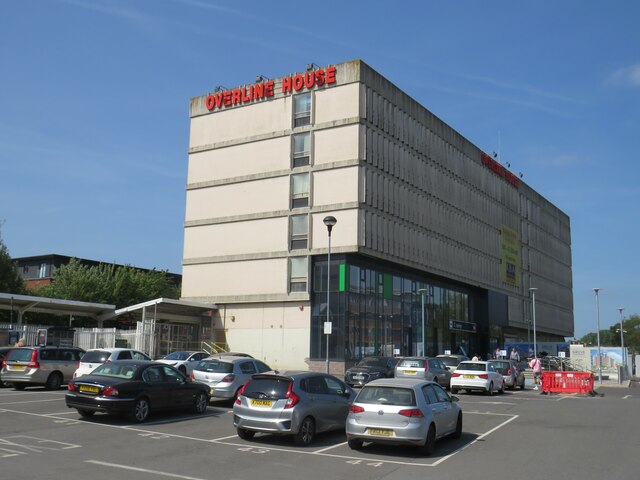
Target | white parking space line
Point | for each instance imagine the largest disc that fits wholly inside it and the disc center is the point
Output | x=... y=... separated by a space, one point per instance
x=143 y=470
x=13 y=393
x=329 y=448
x=627 y=396
x=223 y=438
x=70 y=412
x=31 y=401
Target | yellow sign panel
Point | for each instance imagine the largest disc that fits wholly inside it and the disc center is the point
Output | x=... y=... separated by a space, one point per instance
x=510 y=255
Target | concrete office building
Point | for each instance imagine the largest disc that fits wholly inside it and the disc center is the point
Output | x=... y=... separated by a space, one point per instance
x=423 y=217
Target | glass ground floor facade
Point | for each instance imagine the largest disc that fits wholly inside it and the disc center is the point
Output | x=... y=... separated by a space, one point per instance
x=380 y=309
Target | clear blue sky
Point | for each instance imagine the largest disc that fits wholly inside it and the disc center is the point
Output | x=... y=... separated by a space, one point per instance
x=94 y=99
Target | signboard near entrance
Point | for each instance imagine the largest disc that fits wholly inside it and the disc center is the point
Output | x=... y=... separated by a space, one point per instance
x=462 y=326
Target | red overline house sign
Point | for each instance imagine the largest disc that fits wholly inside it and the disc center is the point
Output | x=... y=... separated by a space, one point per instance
x=259 y=91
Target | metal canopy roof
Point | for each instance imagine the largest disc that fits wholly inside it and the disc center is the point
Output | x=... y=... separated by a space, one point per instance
x=166 y=309
x=25 y=303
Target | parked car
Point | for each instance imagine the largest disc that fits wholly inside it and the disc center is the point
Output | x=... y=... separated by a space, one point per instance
x=230 y=354
x=225 y=376
x=48 y=366
x=403 y=411
x=477 y=376
x=135 y=388
x=451 y=361
x=370 y=368
x=513 y=377
x=425 y=368
x=3 y=353
x=184 y=360
x=299 y=404
x=94 y=357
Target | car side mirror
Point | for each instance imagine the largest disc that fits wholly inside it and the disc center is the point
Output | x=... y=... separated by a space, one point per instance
x=454 y=398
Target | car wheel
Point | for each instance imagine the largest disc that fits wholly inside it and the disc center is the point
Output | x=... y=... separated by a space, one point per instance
x=182 y=369
x=86 y=413
x=140 y=410
x=458 y=432
x=355 y=443
x=53 y=381
x=18 y=386
x=490 y=390
x=454 y=390
x=502 y=388
x=306 y=432
x=245 y=434
x=430 y=442
x=201 y=403
x=513 y=387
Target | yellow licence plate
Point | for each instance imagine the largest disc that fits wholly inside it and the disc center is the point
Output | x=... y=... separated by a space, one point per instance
x=89 y=388
x=468 y=376
x=380 y=432
x=16 y=368
x=261 y=403
x=410 y=372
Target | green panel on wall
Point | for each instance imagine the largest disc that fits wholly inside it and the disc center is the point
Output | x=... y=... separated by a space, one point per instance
x=344 y=277
x=388 y=286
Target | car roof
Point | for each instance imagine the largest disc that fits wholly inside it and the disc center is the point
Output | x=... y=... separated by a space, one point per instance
x=228 y=358
x=482 y=362
x=112 y=350
x=137 y=362
x=397 y=382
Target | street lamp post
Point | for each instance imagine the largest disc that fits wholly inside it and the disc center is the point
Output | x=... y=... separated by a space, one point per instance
x=596 y=290
x=533 y=305
x=422 y=292
x=329 y=222
x=624 y=357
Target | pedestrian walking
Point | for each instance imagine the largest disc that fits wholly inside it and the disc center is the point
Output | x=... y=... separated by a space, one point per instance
x=536 y=366
x=515 y=356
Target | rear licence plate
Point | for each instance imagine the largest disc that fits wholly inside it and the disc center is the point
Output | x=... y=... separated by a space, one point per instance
x=358 y=377
x=261 y=403
x=89 y=389
x=16 y=368
x=380 y=432
x=468 y=376
x=410 y=372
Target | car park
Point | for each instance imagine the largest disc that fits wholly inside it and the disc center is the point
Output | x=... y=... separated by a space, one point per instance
x=424 y=368
x=451 y=361
x=135 y=388
x=94 y=357
x=477 y=376
x=513 y=377
x=300 y=404
x=184 y=360
x=48 y=366
x=225 y=376
x=403 y=411
x=370 y=368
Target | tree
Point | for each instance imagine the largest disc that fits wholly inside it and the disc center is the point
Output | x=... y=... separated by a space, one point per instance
x=10 y=280
x=108 y=283
x=611 y=337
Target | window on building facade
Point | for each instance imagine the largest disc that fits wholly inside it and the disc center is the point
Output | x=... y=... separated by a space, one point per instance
x=300 y=190
x=302 y=109
x=301 y=149
x=298 y=268
x=299 y=229
x=43 y=270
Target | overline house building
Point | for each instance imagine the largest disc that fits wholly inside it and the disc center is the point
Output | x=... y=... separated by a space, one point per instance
x=424 y=217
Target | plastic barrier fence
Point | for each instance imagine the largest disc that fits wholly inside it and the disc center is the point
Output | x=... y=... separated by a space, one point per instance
x=567 y=382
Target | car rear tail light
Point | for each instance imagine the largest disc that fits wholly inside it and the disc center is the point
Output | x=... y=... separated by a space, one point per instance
x=356 y=409
x=192 y=376
x=33 y=363
x=411 y=412
x=455 y=374
x=71 y=387
x=426 y=365
x=4 y=364
x=228 y=379
x=291 y=397
x=241 y=391
x=110 y=392
x=483 y=375
x=508 y=371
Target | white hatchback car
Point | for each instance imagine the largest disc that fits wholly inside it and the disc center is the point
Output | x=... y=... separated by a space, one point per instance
x=183 y=360
x=477 y=376
x=95 y=357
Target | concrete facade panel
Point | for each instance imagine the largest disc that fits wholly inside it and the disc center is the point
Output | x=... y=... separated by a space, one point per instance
x=335 y=186
x=337 y=103
x=344 y=236
x=336 y=144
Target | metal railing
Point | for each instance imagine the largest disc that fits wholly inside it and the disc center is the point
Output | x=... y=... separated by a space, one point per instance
x=214 y=347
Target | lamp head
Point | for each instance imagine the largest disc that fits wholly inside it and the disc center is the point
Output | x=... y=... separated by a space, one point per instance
x=330 y=222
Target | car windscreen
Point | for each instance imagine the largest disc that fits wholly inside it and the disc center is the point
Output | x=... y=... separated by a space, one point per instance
x=386 y=396
x=449 y=361
x=20 y=355
x=177 y=356
x=412 y=362
x=96 y=356
x=372 y=362
x=268 y=388
x=116 y=370
x=476 y=367
x=214 y=366
x=501 y=367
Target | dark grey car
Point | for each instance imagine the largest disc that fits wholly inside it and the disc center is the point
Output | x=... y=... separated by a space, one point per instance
x=226 y=375
x=299 y=404
x=425 y=368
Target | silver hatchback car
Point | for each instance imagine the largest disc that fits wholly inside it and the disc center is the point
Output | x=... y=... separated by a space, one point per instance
x=299 y=404
x=48 y=366
x=403 y=411
x=225 y=376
